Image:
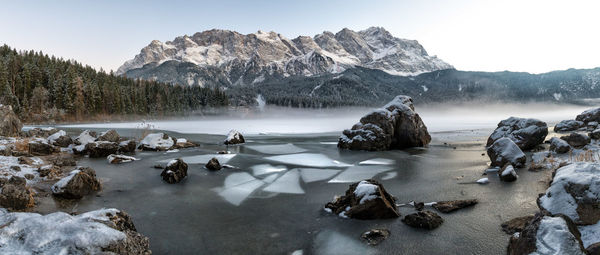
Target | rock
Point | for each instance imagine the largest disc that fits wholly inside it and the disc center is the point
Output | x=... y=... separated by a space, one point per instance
x=49 y=171
x=395 y=126
x=213 y=165
x=375 y=236
x=419 y=206
x=118 y=159
x=157 y=142
x=595 y=134
x=517 y=224
x=589 y=116
x=423 y=219
x=365 y=200
x=175 y=171
x=158 y=166
x=29 y=176
x=16 y=195
x=42 y=132
x=505 y=151
x=525 y=133
x=100 y=149
x=10 y=125
x=453 y=205
x=592 y=125
x=508 y=174
x=574 y=192
x=25 y=160
x=594 y=249
x=63 y=160
x=556 y=235
x=559 y=145
x=577 y=140
x=60 y=139
x=40 y=147
x=104 y=231
x=86 y=137
x=181 y=143
x=15 y=168
x=79 y=183
x=109 y=136
x=568 y=125
x=128 y=146
x=234 y=137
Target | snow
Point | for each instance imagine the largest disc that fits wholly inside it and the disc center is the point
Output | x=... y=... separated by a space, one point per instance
x=85 y=138
x=270 y=178
x=156 y=141
x=55 y=136
x=124 y=158
x=181 y=140
x=6 y=162
x=365 y=191
x=509 y=170
x=172 y=162
x=557 y=96
x=483 y=181
x=237 y=187
x=425 y=89
x=306 y=159
x=287 y=148
x=263 y=169
x=553 y=237
x=288 y=183
x=590 y=234
x=314 y=174
x=59 y=186
x=203 y=159
x=233 y=134
x=378 y=161
x=56 y=233
x=172 y=151
x=358 y=173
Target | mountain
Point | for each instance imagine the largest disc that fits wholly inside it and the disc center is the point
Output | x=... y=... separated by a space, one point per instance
x=228 y=58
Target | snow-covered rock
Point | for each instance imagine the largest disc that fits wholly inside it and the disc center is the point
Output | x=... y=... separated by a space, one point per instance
x=157 y=142
x=234 y=137
x=504 y=151
x=118 y=159
x=508 y=174
x=127 y=146
x=484 y=180
x=16 y=195
x=175 y=171
x=559 y=145
x=365 y=200
x=547 y=235
x=526 y=133
x=568 y=125
x=589 y=115
x=101 y=149
x=110 y=136
x=79 y=183
x=40 y=147
x=85 y=137
x=41 y=132
x=60 y=139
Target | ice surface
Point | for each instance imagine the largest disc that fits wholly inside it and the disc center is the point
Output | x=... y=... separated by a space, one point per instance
x=287 y=183
x=378 y=161
x=328 y=242
x=287 y=148
x=389 y=175
x=314 y=174
x=270 y=178
x=358 y=173
x=238 y=186
x=263 y=169
x=307 y=159
x=203 y=159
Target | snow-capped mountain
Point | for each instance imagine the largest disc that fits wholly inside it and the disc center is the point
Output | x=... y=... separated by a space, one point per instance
x=222 y=57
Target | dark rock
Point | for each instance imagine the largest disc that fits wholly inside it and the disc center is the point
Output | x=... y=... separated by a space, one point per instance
x=375 y=236
x=63 y=160
x=128 y=146
x=79 y=183
x=135 y=243
x=504 y=151
x=41 y=148
x=49 y=171
x=568 y=125
x=213 y=165
x=158 y=166
x=234 y=137
x=15 y=168
x=423 y=219
x=419 y=206
x=525 y=133
x=41 y=132
x=29 y=176
x=595 y=134
x=453 y=205
x=109 y=136
x=175 y=171
x=594 y=249
x=63 y=141
x=517 y=224
x=381 y=205
x=10 y=125
x=25 y=160
x=559 y=145
x=589 y=115
x=508 y=174
x=16 y=195
x=577 y=140
x=101 y=149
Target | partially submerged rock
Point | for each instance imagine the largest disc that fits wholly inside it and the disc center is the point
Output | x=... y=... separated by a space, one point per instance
x=365 y=200
x=100 y=149
x=508 y=174
x=453 y=205
x=10 y=125
x=568 y=125
x=577 y=140
x=423 y=219
x=525 y=133
x=504 y=151
x=175 y=171
x=547 y=235
x=234 y=137
x=395 y=126
x=16 y=195
x=375 y=236
x=118 y=159
x=213 y=164
x=157 y=142
x=127 y=146
x=517 y=224
x=559 y=145
x=181 y=143
x=110 y=136
x=79 y=183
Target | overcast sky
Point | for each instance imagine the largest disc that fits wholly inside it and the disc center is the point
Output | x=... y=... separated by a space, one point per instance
x=515 y=35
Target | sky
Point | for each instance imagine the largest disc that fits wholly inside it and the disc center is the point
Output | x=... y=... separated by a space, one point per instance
x=474 y=35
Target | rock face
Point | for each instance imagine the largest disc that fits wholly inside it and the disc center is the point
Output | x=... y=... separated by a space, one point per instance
x=547 y=235
x=16 y=195
x=79 y=183
x=175 y=171
x=568 y=125
x=574 y=192
x=110 y=136
x=105 y=231
x=365 y=200
x=508 y=174
x=213 y=165
x=559 y=145
x=517 y=224
x=395 y=126
x=423 y=219
x=234 y=137
x=100 y=149
x=504 y=151
x=577 y=140
x=525 y=133
x=10 y=125
x=589 y=116
x=157 y=142
x=451 y=206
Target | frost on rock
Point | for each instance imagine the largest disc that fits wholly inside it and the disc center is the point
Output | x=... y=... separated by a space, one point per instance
x=365 y=200
x=234 y=137
x=508 y=174
x=525 y=133
x=365 y=191
x=504 y=151
x=157 y=142
x=85 y=137
x=79 y=183
x=568 y=125
x=589 y=115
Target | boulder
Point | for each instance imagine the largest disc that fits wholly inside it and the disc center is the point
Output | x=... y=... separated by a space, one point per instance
x=49 y=171
x=100 y=149
x=175 y=171
x=595 y=134
x=568 y=125
x=395 y=126
x=575 y=193
x=559 y=145
x=508 y=174
x=86 y=137
x=109 y=136
x=525 y=133
x=453 y=205
x=577 y=140
x=10 y=125
x=42 y=132
x=181 y=143
x=118 y=159
x=40 y=147
x=127 y=146
x=517 y=224
x=592 y=125
x=213 y=164
x=157 y=142
x=423 y=219
x=547 y=235
x=16 y=195
x=589 y=116
x=60 y=139
x=234 y=137
x=375 y=236
x=505 y=151
x=79 y=183
x=365 y=200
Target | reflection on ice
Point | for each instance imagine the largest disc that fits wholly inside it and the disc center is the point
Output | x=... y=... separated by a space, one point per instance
x=307 y=159
x=314 y=174
x=288 y=183
x=330 y=242
x=238 y=186
x=203 y=159
x=378 y=161
x=266 y=169
x=287 y=148
x=357 y=173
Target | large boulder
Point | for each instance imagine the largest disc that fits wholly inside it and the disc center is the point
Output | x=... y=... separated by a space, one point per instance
x=79 y=183
x=16 y=195
x=10 y=125
x=395 y=126
x=423 y=219
x=559 y=145
x=110 y=136
x=175 y=171
x=453 y=205
x=104 y=231
x=41 y=147
x=589 y=116
x=504 y=151
x=100 y=149
x=547 y=235
x=234 y=137
x=60 y=139
x=577 y=140
x=568 y=125
x=526 y=133
x=157 y=142
x=574 y=192
x=365 y=200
